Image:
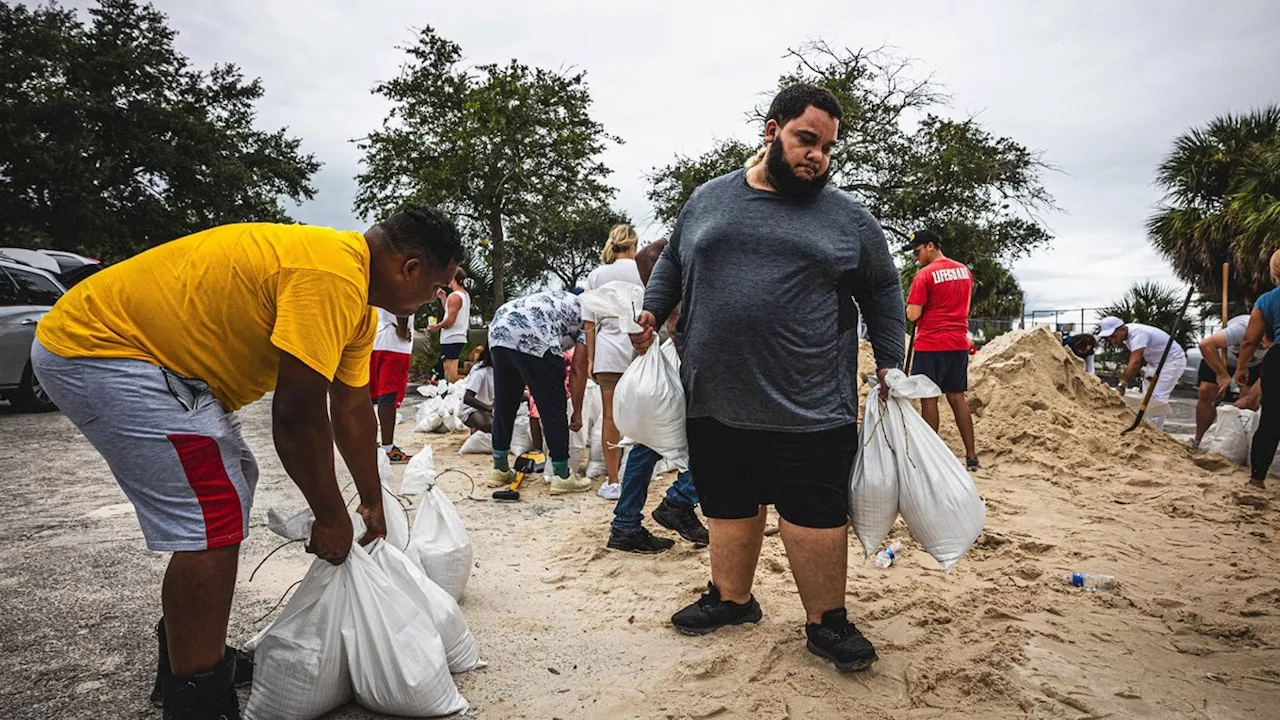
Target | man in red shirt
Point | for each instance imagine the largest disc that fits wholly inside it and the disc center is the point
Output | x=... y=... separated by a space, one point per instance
x=939 y=306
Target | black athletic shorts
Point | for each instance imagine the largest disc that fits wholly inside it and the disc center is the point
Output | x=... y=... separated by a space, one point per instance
x=1205 y=373
x=948 y=368
x=805 y=476
x=451 y=351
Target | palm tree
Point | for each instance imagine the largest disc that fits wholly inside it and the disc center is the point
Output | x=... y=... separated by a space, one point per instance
x=1222 y=184
x=1155 y=304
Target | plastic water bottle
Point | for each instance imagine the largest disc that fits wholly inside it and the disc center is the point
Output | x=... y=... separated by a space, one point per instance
x=886 y=556
x=1089 y=581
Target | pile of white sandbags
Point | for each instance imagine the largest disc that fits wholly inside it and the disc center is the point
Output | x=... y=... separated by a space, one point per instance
x=904 y=467
x=439 y=411
x=384 y=628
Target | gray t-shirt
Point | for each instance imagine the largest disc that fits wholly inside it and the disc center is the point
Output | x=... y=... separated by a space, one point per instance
x=1234 y=333
x=768 y=330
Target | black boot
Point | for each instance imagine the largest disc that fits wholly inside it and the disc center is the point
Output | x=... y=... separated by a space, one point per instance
x=243 y=674
x=209 y=695
x=839 y=641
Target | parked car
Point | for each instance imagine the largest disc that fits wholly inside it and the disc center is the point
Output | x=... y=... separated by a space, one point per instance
x=1190 y=376
x=68 y=267
x=26 y=294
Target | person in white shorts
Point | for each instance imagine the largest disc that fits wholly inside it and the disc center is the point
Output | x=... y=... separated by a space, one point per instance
x=1146 y=345
x=609 y=350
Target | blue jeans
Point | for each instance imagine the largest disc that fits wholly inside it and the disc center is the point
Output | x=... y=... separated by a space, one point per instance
x=629 y=511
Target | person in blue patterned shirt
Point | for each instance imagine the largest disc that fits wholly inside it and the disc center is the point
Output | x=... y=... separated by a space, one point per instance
x=527 y=339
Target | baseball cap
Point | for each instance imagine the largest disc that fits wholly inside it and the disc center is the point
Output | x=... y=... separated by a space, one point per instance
x=922 y=237
x=1110 y=324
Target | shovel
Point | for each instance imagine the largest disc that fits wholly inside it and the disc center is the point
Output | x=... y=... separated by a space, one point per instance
x=1151 y=388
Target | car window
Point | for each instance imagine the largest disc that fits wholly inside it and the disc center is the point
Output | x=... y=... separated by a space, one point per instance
x=37 y=289
x=8 y=291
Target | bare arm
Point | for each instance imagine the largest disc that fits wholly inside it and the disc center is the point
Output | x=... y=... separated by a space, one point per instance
x=914 y=312
x=355 y=431
x=402 y=328
x=471 y=400
x=578 y=384
x=1211 y=353
x=304 y=440
x=590 y=331
x=1135 y=365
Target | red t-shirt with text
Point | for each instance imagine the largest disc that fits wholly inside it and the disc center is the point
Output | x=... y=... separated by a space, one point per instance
x=942 y=288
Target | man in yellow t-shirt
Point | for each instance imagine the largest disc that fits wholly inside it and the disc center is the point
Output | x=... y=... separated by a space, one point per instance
x=151 y=357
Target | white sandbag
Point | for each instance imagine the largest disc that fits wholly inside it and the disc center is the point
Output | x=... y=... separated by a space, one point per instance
x=420 y=473
x=480 y=443
x=439 y=543
x=873 y=486
x=291 y=527
x=429 y=417
x=300 y=667
x=617 y=299
x=459 y=644
x=673 y=357
x=596 y=467
x=1156 y=409
x=394 y=654
x=649 y=407
x=936 y=494
x=577 y=443
x=1230 y=434
x=393 y=513
x=428 y=391
x=521 y=436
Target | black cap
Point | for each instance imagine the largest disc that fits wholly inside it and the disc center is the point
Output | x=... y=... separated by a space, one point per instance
x=922 y=237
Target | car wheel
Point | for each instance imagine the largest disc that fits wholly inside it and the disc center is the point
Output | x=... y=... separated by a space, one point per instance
x=30 y=396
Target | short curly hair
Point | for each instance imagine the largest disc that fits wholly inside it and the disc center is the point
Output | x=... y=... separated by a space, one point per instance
x=795 y=99
x=423 y=232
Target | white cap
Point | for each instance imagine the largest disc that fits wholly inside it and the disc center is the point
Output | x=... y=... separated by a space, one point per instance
x=1110 y=324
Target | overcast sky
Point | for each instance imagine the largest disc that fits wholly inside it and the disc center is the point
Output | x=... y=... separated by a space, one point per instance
x=1101 y=88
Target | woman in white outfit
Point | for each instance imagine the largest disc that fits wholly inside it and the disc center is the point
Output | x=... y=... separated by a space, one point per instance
x=609 y=349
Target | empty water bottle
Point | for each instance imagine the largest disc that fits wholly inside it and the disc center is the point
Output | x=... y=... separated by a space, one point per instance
x=886 y=556
x=1090 y=581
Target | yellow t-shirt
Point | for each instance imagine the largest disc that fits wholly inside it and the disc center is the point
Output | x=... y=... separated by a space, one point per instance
x=220 y=305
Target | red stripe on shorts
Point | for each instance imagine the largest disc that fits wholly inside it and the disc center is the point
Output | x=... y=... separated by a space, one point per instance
x=219 y=501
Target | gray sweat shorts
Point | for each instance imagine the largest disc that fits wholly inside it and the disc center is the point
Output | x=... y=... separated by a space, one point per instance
x=177 y=454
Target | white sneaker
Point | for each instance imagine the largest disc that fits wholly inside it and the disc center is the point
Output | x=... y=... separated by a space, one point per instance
x=610 y=491
x=500 y=478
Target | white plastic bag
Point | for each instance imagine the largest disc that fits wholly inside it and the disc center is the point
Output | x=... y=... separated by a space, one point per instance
x=429 y=417
x=618 y=299
x=936 y=494
x=649 y=408
x=428 y=391
x=480 y=443
x=439 y=542
x=873 y=487
x=300 y=667
x=596 y=467
x=459 y=644
x=420 y=473
x=521 y=436
x=1230 y=434
x=394 y=654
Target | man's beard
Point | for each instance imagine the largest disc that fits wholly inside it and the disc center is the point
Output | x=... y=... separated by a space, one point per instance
x=785 y=181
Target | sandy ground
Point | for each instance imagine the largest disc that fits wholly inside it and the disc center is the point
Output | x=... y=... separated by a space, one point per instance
x=572 y=630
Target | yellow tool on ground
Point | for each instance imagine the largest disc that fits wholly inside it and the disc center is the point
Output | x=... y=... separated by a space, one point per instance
x=527 y=464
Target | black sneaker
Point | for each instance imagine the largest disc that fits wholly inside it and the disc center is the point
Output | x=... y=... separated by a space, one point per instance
x=243 y=671
x=204 y=696
x=710 y=613
x=839 y=641
x=641 y=541
x=683 y=520
x=971 y=463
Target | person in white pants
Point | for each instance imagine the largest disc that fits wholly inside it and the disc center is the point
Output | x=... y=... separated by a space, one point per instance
x=1146 y=345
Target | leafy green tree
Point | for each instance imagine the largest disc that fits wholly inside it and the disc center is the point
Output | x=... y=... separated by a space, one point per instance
x=494 y=144
x=111 y=142
x=565 y=246
x=982 y=193
x=1222 y=203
